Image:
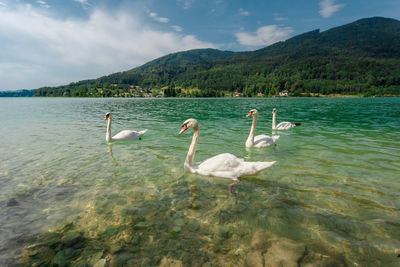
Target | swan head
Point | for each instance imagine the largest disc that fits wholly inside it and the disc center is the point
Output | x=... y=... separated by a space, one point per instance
x=189 y=123
x=108 y=115
x=274 y=111
x=252 y=112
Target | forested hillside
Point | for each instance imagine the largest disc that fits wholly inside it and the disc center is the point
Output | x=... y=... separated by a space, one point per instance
x=18 y=93
x=362 y=58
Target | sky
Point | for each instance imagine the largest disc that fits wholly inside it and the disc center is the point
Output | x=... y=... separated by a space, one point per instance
x=56 y=42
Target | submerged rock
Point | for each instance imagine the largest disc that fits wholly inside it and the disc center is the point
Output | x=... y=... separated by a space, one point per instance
x=121 y=258
x=140 y=225
x=195 y=205
x=95 y=257
x=224 y=232
x=259 y=241
x=130 y=210
x=193 y=225
x=100 y=263
x=60 y=259
x=12 y=202
x=177 y=229
x=179 y=222
x=255 y=259
x=284 y=252
x=166 y=262
x=72 y=238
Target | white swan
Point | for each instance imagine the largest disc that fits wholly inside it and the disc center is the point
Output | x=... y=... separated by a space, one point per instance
x=285 y=125
x=123 y=135
x=259 y=140
x=223 y=165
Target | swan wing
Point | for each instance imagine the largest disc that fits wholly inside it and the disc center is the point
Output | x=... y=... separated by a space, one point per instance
x=229 y=166
x=221 y=162
x=265 y=140
x=222 y=165
x=128 y=135
x=252 y=168
x=285 y=125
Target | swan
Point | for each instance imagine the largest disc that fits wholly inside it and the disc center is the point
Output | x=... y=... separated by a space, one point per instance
x=260 y=140
x=224 y=165
x=123 y=135
x=285 y=125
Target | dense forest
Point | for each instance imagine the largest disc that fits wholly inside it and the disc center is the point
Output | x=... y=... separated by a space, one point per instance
x=360 y=58
x=18 y=93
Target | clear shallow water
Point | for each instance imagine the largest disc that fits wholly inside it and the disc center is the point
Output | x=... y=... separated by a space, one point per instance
x=68 y=197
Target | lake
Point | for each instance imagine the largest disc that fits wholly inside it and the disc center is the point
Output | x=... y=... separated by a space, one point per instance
x=69 y=198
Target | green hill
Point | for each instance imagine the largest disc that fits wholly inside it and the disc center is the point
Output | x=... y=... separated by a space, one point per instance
x=362 y=57
x=18 y=93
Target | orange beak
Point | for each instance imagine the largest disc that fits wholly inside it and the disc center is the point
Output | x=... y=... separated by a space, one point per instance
x=106 y=117
x=184 y=128
x=250 y=114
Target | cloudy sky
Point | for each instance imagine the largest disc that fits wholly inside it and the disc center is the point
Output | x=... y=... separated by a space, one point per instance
x=54 y=42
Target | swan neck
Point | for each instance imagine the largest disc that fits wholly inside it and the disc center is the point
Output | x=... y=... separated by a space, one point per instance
x=273 y=121
x=250 y=139
x=108 y=133
x=192 y=149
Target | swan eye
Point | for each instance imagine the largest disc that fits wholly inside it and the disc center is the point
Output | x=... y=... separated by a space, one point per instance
x=184 y=128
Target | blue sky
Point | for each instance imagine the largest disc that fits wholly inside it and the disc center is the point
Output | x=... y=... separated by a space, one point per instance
x=54 y=42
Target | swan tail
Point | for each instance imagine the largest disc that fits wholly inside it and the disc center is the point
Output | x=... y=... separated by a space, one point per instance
x=142 y=132
x=258 y=166
x=297 y=123
x=275 y=137
x=263 y=165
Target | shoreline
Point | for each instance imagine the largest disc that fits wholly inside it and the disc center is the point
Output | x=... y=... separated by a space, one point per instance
x=226 y=96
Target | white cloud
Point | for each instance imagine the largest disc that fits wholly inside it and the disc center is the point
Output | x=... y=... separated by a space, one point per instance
x=177 y=28
x=186 y=4
x=244 y=12
x=264 y=36
x=39 y=50
x=328 y=7
x=43 y=3
x=83 y=2
x=155 y=16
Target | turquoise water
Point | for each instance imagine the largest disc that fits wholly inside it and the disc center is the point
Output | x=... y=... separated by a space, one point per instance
x=67 y=197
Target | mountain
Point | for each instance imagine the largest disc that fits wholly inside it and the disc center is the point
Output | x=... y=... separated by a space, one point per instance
x=362 y=57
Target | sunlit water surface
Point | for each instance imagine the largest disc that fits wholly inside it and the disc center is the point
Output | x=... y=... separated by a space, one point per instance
x=67 y=197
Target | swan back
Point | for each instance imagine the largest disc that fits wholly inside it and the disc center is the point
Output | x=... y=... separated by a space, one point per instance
x=285 y=125
x=226 y=165
x=128 y=135
x=265 y=140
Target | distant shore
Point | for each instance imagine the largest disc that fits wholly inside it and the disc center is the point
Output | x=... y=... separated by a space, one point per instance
x=319 y=96
x=31 y=93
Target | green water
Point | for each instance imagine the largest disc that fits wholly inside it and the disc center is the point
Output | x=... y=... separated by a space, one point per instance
x=67 y=197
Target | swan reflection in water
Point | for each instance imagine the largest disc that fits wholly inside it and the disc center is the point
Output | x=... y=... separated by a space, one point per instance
x=112 y=156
